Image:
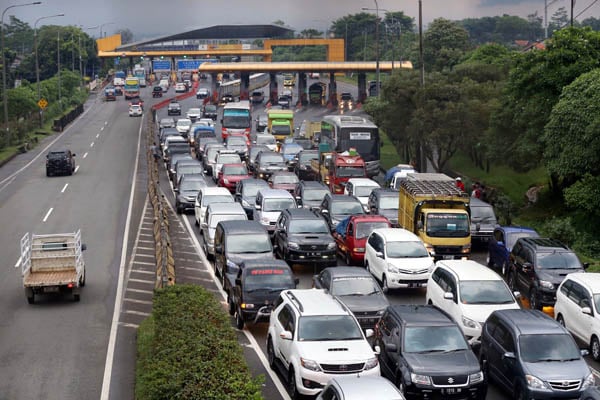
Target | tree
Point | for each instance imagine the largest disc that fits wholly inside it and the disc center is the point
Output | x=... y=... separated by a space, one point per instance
x=126 y=35
x=445 y=43
x=310 y=34
x=592 y=22
x=559 y=20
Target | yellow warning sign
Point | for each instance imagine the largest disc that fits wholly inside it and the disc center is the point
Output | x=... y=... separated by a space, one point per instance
x=42 y=103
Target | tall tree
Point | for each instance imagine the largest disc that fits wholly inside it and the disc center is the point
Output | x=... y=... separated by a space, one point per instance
x=126 y=35
x=445 y=43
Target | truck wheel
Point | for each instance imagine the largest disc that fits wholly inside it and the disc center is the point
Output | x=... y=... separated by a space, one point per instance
x=239 y=320
x=82 y=279
x=76 y=297
x=271 y=354
x=384 y=284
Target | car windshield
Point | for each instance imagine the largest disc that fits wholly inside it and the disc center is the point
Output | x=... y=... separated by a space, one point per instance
x=221 y=198
x=306 y=144
x=483 y=214
x=597 y=301
x=255 y=150
x=228 y=159
x=210 y=108
x=251 y=190
x=406 y=250
x=307 y=157
x=265 y=140
x=234 y=170
x=364 y=229
x=354 y=286
x=293 y=149
x=190 y=169
x=430 y=339
x=280 y=204
x=236 y=122
x=363 y=191
x=236 y=141
x=272 y=158
x=485 y=292
x=192 y=185
x=558 y=260
x=388 y=203
x=249 y=243
x=447 y=225
x=548 y=347
x=314 y=194
x=285 y=179
x=184 y=123
x=280 y=129
x=194 y=111
x=350 y=172
x=346 y=208
x=328 y=327
x=308 y=226
x=268 y=278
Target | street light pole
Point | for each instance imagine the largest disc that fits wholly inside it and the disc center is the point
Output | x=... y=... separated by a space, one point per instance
x=102 y=25
x=4 y=68
x=37 y=66
x=58 y=64
x=376 y=44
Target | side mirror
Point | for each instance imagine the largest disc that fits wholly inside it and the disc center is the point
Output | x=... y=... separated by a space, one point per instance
x=517 y=294
x=83 y=247
x=286 y=335
x=391 y=347
x=508 y=355
x=379 y=254
x=257 y=206
x=176 y=190
x=584 y=352
x=586 y=310
x=218 y=248
x=369 y=333
x=586 y=265
x=324 y=211
x=203 y=225
x=377 y=350
x=448 y=296
x=419 y=225
x=238 y=281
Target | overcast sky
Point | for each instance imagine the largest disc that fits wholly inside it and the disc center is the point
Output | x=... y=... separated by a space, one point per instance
x=151 y=18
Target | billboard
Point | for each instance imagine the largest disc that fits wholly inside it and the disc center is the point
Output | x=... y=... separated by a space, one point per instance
x=188 y=65
x=161 y=65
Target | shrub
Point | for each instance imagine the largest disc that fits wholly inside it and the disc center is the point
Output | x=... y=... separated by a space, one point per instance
x=189 y=350
x=561 y=229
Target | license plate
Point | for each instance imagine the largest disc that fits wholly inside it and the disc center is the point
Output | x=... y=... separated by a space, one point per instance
x=314 y=254
x=448 y=257
x=413 y=285
x=451 y=391
x=51 y=289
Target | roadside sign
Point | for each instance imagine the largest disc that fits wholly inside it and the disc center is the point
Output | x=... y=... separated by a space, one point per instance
x=161 y=65
x=42 y=103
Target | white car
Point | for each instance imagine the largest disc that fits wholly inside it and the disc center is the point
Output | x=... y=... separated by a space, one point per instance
x=315 y=338
x=397 y=258
x=206 y=121
x=360 y=388
x=209 y=195
x=193 y=113
x=469 y=292
x=266 y=139
x=361 y=188
x=135 y=110
x=577 y=308
x=225 y=157
x=202 y=93
x=183 y=126
x=269 y=205
x=180 y=87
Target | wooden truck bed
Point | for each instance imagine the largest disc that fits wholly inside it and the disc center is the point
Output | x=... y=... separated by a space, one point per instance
x=50 y=278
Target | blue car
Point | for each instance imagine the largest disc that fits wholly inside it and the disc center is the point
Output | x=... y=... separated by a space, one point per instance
x=501 y=243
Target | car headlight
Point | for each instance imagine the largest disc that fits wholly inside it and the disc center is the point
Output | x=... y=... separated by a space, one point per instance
x=309 y=364
x=430 y=248
x=393 y=269
x=293 y=245
x=359 y=249
x=466 y=248
x=264 y=220
x=476 y=377
x=226 y=181
x=535 y=383
x=420 y=379
x=247 y=306
x=547 y=285
x=231 y=264
x=469 y=323
x=371 y=363
x=589 y=381
x=331 y=246
x=245 y=203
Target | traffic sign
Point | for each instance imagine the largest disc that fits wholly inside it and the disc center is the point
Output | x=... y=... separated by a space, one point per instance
x=42 y=103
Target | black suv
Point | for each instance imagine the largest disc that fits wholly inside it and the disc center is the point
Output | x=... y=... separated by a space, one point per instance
x=538 y=266
x=267 y=162
x=384 y=202
x=310 y=194
x=209 y=111
x=174 y=108
x=302 y=237
x=337 y=207
x=532 y=356
x=60 y=162
x=245 y=193
x=157 y=91
x=302 y=166
x=423 y=351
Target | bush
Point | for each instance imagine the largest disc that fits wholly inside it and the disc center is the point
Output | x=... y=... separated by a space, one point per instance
x=561 y=229
x=188 y=349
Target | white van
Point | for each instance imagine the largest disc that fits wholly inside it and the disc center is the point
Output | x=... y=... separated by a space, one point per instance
x=164 y=84
x=215 y=213
x=269 y=205
x=207 y=196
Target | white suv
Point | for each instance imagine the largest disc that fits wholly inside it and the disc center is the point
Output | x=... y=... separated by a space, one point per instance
x=469 y=292
x=312 y=338
x=397 y=258
x=577 y=308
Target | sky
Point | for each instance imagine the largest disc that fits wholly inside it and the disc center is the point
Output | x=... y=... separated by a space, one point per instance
x=151 y=18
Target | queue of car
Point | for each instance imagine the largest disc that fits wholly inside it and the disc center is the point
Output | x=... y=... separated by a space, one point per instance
x=264 y=217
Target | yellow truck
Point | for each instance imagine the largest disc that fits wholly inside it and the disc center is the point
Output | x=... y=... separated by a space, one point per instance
x=280 y=123
x=433 y=208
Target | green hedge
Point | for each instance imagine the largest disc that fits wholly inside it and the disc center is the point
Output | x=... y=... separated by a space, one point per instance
x=188 y=349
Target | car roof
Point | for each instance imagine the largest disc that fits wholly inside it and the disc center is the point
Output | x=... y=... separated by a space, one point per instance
x=397 y=235
x=363 y=182
x=517 y=229
x=213 y=190
x=254 y=181
x=544 y=245
x=226 y=208
x=589 y=279
x=385 y=192
x=527 y=322
x=313 y=185
x=278 y=193
x=243 y=227
x=469 y=270
x=341 y=272
x=342 y=197
x=421 y=315
x=315 y=302
x=266 y=262
x=301 y=213
x=357 y=387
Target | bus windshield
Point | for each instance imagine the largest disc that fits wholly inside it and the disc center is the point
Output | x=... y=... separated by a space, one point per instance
x=236 y=121
x=364 y=140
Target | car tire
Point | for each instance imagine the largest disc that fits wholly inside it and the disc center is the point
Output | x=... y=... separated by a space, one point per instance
x=560 y=320
x=230 y=306
x=488 y=261
x=519 y=393
x=384 y=284
x=48 y=173
x=504 y=269
x=401 y=385
x=31 y=298
x=483 y=362
x=178 y=208
x=292 y=389
x=239 y=319
x=534 y=301
x=595 y=348
x=348 y=259
x=82 y=279
x=511 y=281
x=271 y=354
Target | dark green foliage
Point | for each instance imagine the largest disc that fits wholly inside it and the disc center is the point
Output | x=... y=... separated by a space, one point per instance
x=445 y=43
x=560 y=228
x=503 y=29
x=192 y=351
x=584 y=195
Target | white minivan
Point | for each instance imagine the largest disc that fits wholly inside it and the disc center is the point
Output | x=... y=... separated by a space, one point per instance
x=469 y=292
x=269 y=205
x=397 y=258
x=209 y=195
x=215 y=213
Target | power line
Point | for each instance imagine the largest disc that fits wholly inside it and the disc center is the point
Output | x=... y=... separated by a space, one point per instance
x=587 y=8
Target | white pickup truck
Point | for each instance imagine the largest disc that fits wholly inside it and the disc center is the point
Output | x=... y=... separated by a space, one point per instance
x=52 y=263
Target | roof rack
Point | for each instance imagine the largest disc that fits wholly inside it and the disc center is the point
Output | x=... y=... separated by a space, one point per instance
x=295 y=300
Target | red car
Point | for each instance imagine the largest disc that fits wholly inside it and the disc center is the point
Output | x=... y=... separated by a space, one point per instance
x=351 y=236
x=284 y=180
x=231 y=174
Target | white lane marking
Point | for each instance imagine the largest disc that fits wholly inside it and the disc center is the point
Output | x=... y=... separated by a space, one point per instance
x=18 y=262
x=64 y=188
x=76 y=169
x=92 y=144
x=263 y=359
x=105 y=122
x=112 y=340
x=42 y=152
x=85 y=155
x=97 y=135
x=8 y=183
x=48 y=214
x=101 y=129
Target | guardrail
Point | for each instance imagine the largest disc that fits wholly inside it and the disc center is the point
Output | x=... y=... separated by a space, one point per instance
x=165 y=263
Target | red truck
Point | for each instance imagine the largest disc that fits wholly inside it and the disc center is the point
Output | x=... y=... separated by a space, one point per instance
x=351 y=236
x=334 y=169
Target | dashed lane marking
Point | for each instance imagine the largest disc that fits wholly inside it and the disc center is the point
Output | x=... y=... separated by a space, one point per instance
x=146 y=241
x=97 y=135
x=92 y=144
x=145 y=248
x=102 y=128
x=129 y=325
x=141 y=271
x=141 y=280
x=76 y=169
x=143 y=262
x=137 y=301
x=85 y=154
x=140 y=291
x=18 y=262
x=64 y=188
x=48 y=214
x=143 y=314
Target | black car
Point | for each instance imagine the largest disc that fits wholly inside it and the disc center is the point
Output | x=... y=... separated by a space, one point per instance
x=337 y=207
x=245 y=193
x=302 y=237
x=530 y=355
x=310 y=194
x=537 y=268
x=157 y=91
x=200 y=145
x=256 y=286
x=384 y=202
x=174 y=108
x=60 y=162
x=268 y=162
x=209 y=111
x=423 y=351
x=357 y=289
x=252 y=153
x=302 y=166
x=187 y=191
